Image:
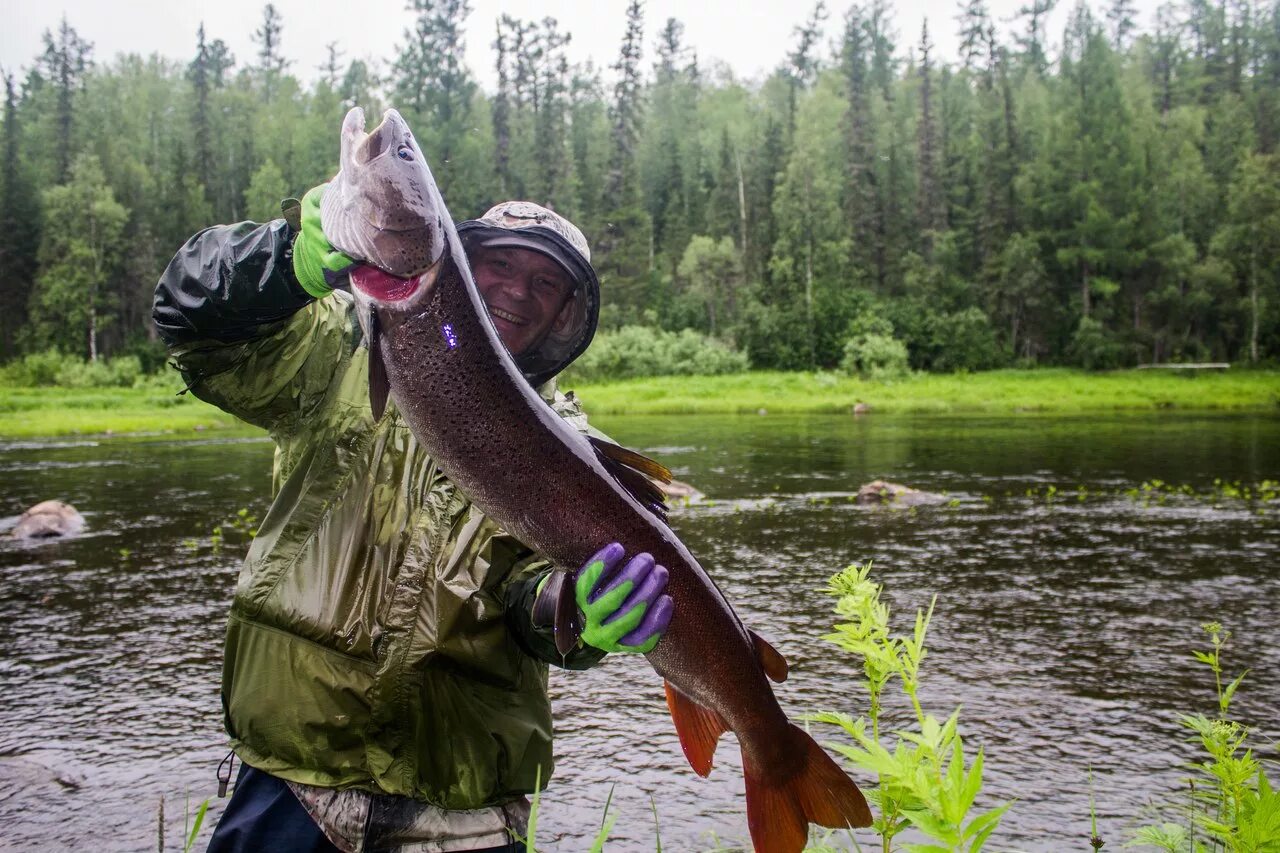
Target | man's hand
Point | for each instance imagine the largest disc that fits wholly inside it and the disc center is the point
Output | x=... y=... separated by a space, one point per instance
x=627 y=610
x=318 y=266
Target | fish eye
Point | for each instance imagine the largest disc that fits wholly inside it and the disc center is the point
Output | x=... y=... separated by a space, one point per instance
x=404 y=153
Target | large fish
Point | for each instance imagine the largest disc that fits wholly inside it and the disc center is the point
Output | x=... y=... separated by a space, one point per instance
x=432 y=342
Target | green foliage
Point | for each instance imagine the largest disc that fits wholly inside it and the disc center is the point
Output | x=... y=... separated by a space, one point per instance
x=52 y=367
x=1233 y=806
x=639 y=351
x=989 y=209
x=1095 y=348
x=926 y=782
x=875 y=356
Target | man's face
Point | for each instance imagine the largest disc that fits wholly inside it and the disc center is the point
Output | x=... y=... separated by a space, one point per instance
x=527 y=294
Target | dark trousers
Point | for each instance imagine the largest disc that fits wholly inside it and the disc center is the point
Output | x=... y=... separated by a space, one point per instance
x=264 y=815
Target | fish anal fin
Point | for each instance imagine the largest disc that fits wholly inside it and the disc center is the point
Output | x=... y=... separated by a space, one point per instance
x=699 y=729
x=568 y=624
x=779 y=809
x=636 y=473
x=775 y=665
x=379 y=385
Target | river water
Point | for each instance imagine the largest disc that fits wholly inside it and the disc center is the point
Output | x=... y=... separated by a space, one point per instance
x=1063 y=625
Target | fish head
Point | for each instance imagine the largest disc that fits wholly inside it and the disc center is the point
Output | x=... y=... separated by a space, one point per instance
x=383 y=208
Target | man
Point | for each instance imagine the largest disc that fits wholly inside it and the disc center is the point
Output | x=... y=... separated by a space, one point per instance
x=385 y=682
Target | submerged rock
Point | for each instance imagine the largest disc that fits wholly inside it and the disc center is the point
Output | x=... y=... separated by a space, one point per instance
x=48 y=520
x=678 y=491
x=882 y=492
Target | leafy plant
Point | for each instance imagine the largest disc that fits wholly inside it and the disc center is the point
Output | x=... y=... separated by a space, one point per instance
x=1232 y=806
x=925 y=780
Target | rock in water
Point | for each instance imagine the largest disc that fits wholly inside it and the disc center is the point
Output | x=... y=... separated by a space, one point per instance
x=47 y=520
x=882 y=492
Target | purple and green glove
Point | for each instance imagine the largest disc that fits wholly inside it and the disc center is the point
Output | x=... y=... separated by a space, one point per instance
x=317 y=265
x=625 y=610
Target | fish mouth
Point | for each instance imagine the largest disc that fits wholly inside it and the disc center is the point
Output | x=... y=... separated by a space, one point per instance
x=383 y=286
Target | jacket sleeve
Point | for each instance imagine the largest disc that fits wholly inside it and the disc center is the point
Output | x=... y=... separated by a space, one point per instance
x=538 y=641
x=245 y=335
x=228 y=282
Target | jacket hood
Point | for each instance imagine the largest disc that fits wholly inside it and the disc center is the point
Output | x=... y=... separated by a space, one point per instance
x=524 y=225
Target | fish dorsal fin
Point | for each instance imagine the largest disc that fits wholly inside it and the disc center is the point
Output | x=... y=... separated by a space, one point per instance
x=636 y=472
x=775 y=665
x=567 y=621
x=699 y=729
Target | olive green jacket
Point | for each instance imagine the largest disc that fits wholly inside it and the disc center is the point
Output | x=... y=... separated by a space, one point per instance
x=380 y=634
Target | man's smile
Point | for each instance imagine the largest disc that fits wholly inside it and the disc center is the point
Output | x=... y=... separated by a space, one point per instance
x=509 y=317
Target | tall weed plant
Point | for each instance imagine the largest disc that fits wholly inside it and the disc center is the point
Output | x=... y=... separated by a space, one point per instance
x=926 y=782
x=1231 y=804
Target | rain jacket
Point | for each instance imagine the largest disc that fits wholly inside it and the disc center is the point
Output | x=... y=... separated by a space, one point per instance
x=380 y=634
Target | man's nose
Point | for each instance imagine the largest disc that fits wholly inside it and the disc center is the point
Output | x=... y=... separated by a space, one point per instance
x=518 y=287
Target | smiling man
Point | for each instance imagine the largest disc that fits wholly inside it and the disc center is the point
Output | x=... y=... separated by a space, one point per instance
x=385 y=676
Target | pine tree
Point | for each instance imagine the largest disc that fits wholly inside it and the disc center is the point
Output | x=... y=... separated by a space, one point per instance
x=931 y=212
x=19 y=227
x=66 y=62
x=271 y=62
x=1031 y=43
x=1120 y=17
x=803 y=61
x=862 y=207
x=198 y=73
x=625 y=242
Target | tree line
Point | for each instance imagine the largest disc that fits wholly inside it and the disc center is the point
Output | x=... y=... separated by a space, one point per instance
x=1104 y=198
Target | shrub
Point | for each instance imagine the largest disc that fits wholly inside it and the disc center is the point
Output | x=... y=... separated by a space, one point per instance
x=35 y=369
x=52 y=367
x=639 y=351
x=104 y=373
x=875 y=356
x=964 y=340
x=1094 y=348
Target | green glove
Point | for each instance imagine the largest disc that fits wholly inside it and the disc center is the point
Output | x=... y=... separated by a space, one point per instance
x=627 y=610
x=317 y=265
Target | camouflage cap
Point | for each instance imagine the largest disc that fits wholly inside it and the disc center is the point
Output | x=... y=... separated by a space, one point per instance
x=525 y=225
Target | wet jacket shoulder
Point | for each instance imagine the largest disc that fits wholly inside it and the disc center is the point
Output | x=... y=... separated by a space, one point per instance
x=379 y=634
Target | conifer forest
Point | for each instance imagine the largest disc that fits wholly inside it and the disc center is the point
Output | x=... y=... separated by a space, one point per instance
x=1102 y=196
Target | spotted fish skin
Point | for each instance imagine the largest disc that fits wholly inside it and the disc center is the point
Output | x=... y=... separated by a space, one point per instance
x=466 y=402
x=379 y=208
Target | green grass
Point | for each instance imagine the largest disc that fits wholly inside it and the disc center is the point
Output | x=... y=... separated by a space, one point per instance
x=1049 y=390
x=27 y=412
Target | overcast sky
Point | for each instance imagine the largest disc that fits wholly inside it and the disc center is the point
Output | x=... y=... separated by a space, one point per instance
x=752 y=36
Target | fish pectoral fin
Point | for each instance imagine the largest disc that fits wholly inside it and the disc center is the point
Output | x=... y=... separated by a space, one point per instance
x=775 y=665
x=379 y=385
x=779 y=809
x=636 y=473
x=568 y=622
x=699 y=729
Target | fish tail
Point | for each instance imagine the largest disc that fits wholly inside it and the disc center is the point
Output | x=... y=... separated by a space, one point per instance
x=779 y=811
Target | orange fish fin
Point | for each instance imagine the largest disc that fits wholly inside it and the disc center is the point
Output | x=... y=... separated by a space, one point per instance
x=775 y=665
x=699 y=729
x=636 y=473
x=779 y=810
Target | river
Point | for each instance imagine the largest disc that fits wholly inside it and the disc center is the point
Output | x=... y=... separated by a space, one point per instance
x=1067 y=608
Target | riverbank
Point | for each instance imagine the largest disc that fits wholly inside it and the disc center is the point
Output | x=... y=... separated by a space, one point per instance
x=1057 y=391
x=29 y=412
